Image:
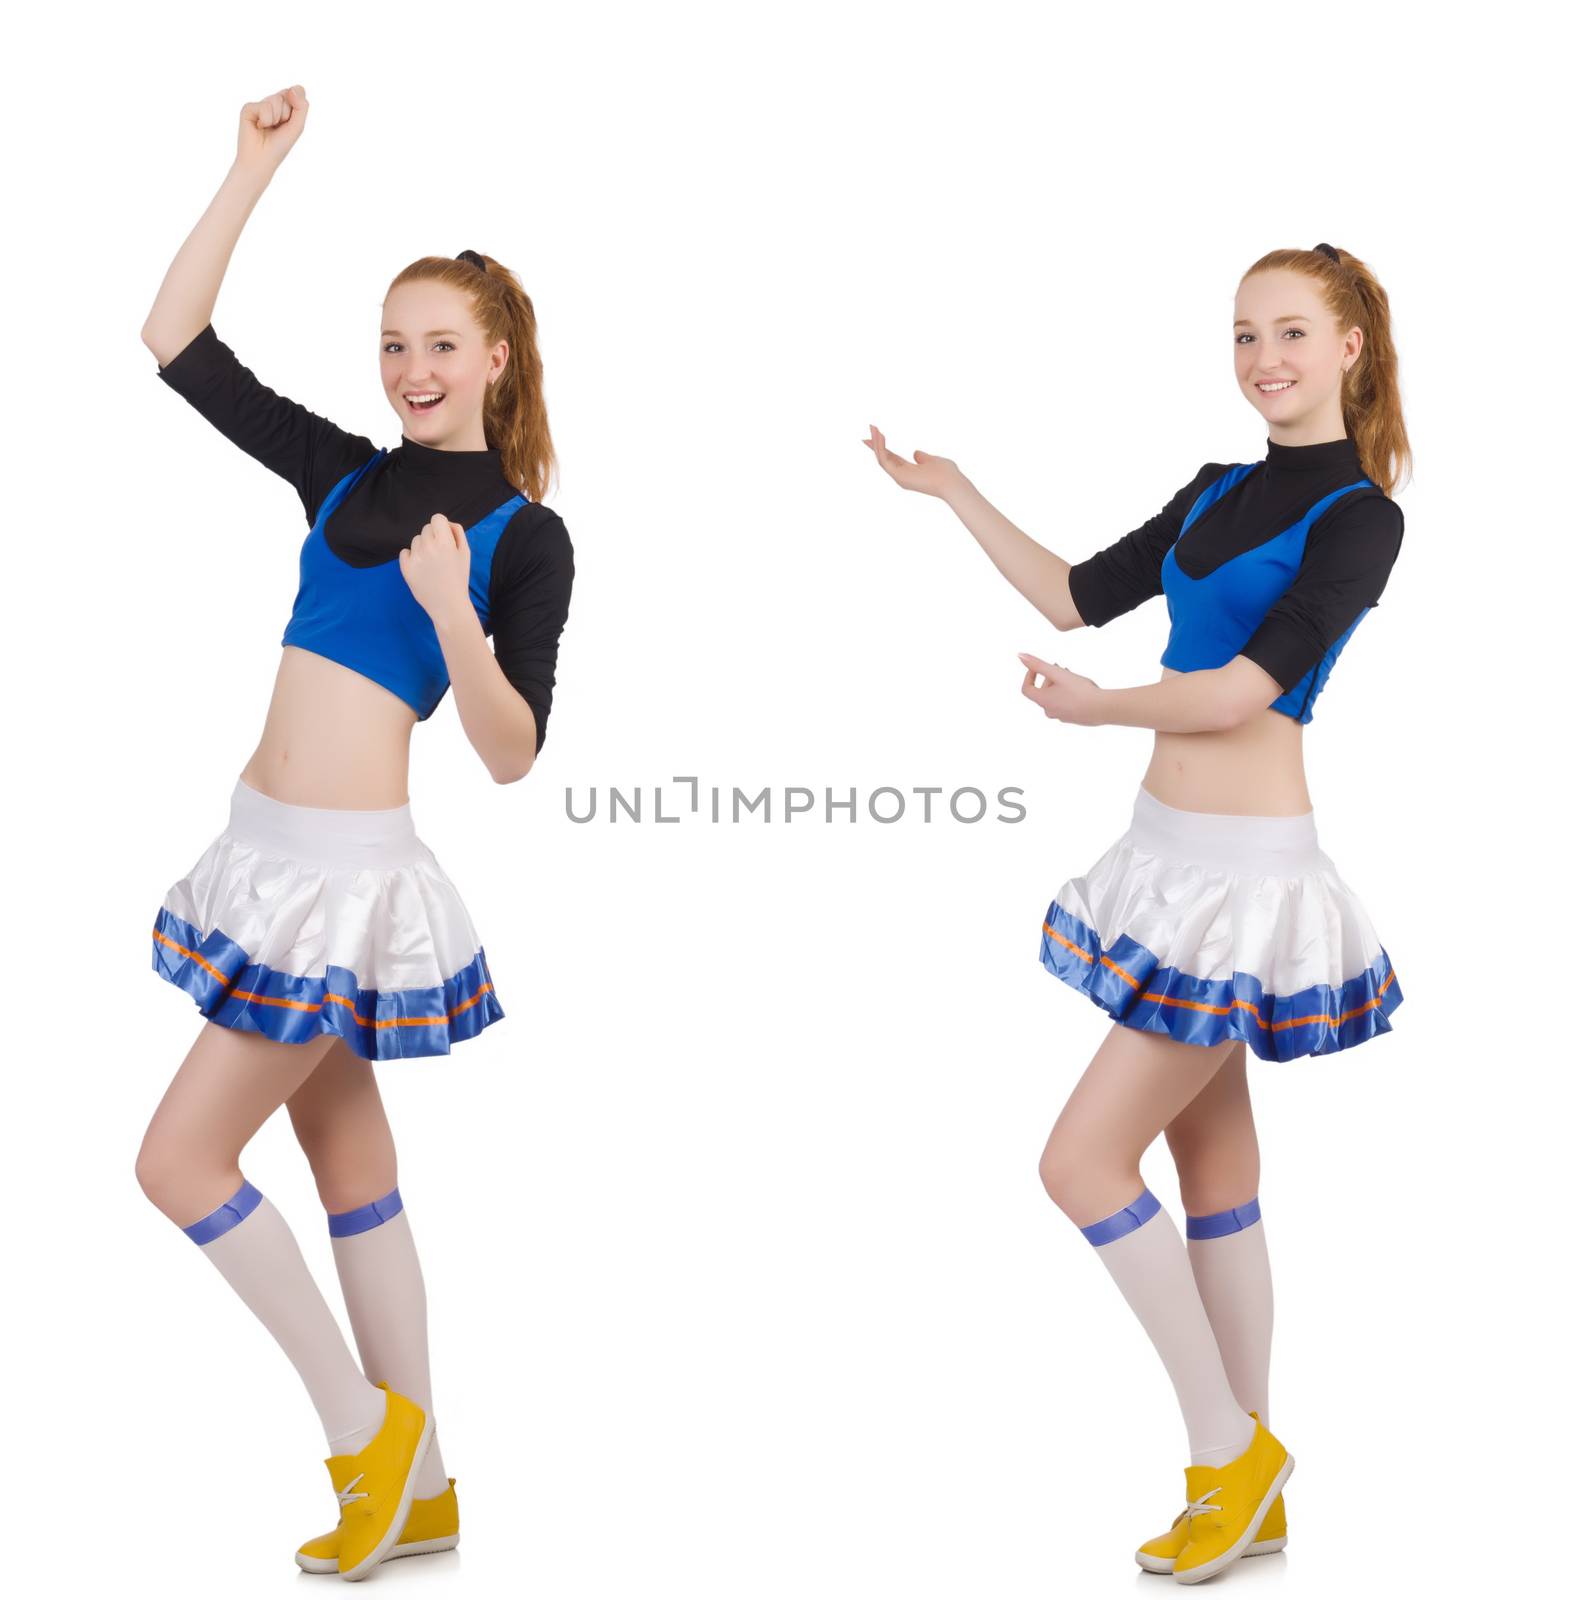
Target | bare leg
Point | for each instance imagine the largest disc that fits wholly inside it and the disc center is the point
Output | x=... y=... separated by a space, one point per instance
x=1213 y=1142
x=190 y=1167
x=1137 y=1083
x=225 y=1090
x=340 y=1122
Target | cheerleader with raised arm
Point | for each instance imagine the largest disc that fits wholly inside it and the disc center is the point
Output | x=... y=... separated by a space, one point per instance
x=317 y=933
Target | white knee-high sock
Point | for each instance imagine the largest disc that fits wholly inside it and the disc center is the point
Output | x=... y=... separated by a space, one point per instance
x=1144 y=1252
x=248 y=1240
x=1232 y=1268
x=384 y=1288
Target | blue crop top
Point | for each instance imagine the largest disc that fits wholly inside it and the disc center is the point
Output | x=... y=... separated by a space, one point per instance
x=369 y=620
x=363 y=506
x=1278 y=560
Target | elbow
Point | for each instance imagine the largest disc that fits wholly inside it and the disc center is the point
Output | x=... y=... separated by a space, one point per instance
x=1241 y=690
x=523 y=756
x=1226 y=709
x=159 y=343
x=166 y=340
x=516 y=771
x=1231 y=711
x=1064 y=612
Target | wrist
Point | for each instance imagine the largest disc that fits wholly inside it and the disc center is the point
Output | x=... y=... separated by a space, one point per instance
x=458 y=622
x=959 y=492
x=249 y=180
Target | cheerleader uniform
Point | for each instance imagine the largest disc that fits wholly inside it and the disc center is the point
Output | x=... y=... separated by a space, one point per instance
x=302 y=920
x=1209 y=927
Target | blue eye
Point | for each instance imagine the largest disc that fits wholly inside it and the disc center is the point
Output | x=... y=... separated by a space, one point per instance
x=1239 y=338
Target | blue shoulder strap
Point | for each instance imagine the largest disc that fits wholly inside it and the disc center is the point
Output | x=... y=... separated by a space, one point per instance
x=483 y=537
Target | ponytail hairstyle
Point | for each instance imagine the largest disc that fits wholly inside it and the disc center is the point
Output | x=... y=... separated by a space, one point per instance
x=515 y=420
x=1371 y=403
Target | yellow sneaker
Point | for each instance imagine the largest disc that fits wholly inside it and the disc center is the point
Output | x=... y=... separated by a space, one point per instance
x=432 y=1525
x=375 y=1487
x=1160 y=1553
x=1226 y=1505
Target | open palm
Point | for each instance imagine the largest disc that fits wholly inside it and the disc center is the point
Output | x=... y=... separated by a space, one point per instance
x=924 y=474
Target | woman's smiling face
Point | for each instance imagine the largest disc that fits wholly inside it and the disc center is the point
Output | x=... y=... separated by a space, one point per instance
x=1289 y=353
x=434 y=366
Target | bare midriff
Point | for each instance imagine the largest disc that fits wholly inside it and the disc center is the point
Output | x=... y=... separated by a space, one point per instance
x=1253 y=770
x=332 y=738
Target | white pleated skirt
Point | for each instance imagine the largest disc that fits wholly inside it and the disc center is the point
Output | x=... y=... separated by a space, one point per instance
x=299 y=921
x=1209 y=927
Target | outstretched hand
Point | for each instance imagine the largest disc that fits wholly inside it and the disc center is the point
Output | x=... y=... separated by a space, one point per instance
x=437 y=565
x=924 y=474
x=1067 y=696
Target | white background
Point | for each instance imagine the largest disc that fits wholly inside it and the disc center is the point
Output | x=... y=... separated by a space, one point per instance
x=742 y=1281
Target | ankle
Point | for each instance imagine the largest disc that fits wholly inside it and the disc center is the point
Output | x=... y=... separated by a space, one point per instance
x=1223 y=1455
x=370 y=1421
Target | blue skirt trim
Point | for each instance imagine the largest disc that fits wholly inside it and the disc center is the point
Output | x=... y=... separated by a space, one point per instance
x=1130 y=985
x=379 y=1025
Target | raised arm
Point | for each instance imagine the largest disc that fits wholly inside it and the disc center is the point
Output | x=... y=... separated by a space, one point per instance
x=1038 y=574
x=309 y=451
x=185 y=303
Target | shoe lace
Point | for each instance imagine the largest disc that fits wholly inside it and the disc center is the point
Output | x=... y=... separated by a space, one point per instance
x=1194 y=1507
x=349 y=1494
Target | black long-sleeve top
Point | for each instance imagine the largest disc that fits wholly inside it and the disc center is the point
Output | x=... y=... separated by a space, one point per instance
x=1348 y=555
x=531 y=573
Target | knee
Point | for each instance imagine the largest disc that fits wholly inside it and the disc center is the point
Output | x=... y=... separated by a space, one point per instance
x=1063 y=1178
x=1087 y=1186
x=183 y=1179
x=151 y=1166
x=346 y=1174
x=1209 y=1180
x=349 y=1191
x=163 y=1175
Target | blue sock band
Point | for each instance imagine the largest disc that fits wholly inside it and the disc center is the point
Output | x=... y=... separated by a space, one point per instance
x=224 y=1217
x=363 y=1218
x=1123 y=1221
x=1220 y=1223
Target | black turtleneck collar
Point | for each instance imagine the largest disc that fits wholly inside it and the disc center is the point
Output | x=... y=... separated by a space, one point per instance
x=448 y=466
x=1327 y=457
